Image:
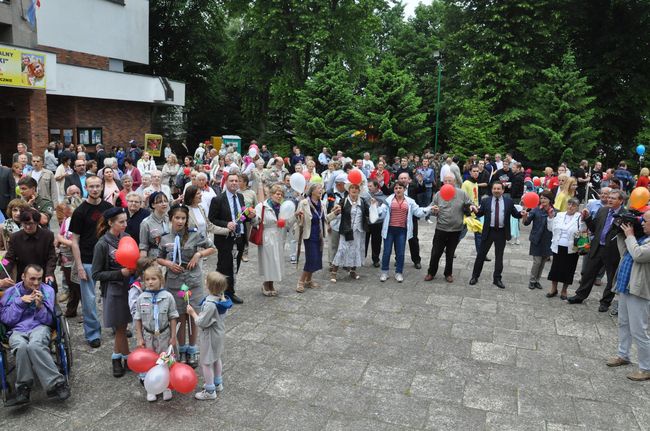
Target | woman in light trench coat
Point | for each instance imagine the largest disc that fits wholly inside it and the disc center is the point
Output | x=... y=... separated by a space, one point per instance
x=270 y=255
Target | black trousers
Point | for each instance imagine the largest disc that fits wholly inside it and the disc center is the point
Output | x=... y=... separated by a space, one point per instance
x=227 y=259
x=498 y=237
x=607 y=258
x=373 y=236
x=443 y=241
x=414 y=243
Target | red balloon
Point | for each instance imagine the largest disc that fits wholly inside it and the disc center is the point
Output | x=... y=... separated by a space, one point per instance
x=530 y=200
x=537 y=182
x=282 y=223
x=187 y=171
x=142 y=360
x=307 y=175
x=355 y=176
x=127 y=253
x=447 y=192
x=183 y=378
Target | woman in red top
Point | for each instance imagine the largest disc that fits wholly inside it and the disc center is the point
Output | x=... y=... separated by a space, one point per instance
x=382 y=176
x=643 y=180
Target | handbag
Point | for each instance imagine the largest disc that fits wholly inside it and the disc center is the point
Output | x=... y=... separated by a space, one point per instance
x=257 y=232
x=581 y=242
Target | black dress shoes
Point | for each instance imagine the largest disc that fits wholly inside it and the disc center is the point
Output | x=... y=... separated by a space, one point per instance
x=603 y=307
x=418 y=265
x=235 y=299
x=574 y=300
x=118 y=368
x=473 y=281
x=499 y=284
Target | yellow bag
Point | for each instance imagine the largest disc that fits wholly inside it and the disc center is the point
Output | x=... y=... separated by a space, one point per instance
x=473 y=224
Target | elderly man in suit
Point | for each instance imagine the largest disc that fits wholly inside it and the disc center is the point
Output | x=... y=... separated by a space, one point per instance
x=497 y=210
x=223 y=212
x=603 y=251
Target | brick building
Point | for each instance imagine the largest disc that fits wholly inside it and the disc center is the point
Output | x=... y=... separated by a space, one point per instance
x=62 y=76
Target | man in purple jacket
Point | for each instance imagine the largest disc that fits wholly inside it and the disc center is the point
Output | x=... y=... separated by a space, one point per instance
x=27 y=310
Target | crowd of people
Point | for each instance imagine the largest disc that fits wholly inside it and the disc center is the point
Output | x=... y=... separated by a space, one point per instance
x=69 y=208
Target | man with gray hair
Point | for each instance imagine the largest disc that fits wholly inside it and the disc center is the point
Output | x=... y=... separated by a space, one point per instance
x=207 y=194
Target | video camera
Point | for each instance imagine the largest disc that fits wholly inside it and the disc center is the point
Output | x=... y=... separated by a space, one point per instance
x=632 y=218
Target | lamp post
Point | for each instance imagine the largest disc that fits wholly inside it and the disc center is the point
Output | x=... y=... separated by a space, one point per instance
x=437 y=57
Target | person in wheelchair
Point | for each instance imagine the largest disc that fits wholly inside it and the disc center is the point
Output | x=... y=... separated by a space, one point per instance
x=27 y=310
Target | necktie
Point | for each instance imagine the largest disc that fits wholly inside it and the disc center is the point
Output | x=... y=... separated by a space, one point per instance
x=607 y=227
x=235 y=209
x=496 y=213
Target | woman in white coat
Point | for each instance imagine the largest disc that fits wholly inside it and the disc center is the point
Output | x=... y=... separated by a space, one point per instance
x=270 y=255
x=564 y=226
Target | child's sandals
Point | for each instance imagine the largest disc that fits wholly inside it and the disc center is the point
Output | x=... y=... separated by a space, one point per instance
x=312 y=284
x=300 y=288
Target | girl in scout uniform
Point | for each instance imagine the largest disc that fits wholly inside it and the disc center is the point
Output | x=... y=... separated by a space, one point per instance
x=155 y=317
x=181 y=251
x=155 y=226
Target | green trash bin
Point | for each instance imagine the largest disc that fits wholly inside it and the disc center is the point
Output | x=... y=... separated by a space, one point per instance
x=232 y=140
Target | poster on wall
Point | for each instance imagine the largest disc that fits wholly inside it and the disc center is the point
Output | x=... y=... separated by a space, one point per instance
x=67 y=136
x=153 y=144
x=19 y=68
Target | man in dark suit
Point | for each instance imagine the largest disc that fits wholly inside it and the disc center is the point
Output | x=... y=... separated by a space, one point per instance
x=497 y=210
x=78 y=178
x=7 y=188
x=223 y=212
x=603 y=251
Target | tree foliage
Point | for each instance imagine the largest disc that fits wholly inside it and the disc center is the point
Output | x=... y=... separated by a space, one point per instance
x=560 y=116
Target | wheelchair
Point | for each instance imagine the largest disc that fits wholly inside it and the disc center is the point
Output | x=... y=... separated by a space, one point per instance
x=60 y=347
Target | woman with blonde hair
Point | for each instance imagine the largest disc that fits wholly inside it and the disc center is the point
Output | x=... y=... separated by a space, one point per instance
x=643 y=180
x=567 y=190
x=170 y=171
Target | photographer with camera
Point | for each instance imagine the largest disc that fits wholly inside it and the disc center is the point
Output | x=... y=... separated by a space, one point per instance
x=633 y=288
x=603 y=250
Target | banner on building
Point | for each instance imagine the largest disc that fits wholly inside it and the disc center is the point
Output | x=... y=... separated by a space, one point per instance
x=19 y=68
x=153 y=144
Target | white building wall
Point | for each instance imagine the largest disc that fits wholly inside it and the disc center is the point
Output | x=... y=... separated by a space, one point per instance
x=98 y=27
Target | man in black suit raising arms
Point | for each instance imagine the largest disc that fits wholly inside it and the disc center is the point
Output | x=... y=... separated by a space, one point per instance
x=603 y=251
x=223 y=212
x=497 y=210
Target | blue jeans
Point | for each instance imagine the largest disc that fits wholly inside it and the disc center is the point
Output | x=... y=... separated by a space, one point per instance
x=92 y=327
x=397 y=236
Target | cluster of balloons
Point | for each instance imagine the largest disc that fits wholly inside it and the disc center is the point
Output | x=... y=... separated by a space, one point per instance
x=179 y=377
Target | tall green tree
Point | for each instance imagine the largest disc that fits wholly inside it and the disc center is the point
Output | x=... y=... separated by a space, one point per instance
x=473 y=129
x=390 y=106
x=560 y=116
x=326 y=113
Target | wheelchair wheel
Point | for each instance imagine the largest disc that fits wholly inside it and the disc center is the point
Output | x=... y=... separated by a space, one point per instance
x=5 y=387
x=66 y=342
x=63 y=348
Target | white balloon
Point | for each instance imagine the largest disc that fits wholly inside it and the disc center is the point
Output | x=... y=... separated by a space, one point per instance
x=287 y=209
x=252 y=152
x=157 y=379
x=298 y=182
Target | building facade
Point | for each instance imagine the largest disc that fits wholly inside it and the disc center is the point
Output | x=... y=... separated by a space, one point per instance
x=62 y=74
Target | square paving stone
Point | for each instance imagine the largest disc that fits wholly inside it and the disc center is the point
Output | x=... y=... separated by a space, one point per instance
x=490 y=397
x=454 y=417
x=515 y=338
x=400 y=409
x=328 y=344
x=343 y=370
x=387 y=378
x=476 y=304
x=293 y=386
x=347 y=424
x=495 y=353
x=540 y=404
x=350 y=400
x=506 y=422
x=438 y=387
x=536 y=360
x=605 y=415
x=468 y=331
x=296 y=416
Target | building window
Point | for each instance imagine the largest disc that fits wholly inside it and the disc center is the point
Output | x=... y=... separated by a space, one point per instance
x=89 y=136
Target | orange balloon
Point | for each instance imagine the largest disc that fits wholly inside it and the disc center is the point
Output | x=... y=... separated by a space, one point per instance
x=639 y=198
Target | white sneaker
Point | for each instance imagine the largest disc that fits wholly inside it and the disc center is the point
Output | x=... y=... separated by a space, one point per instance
x=399 y=277
x=383 y=277
x=219 y=387
x=167 y=395
x=205 y=395
x=517 y=241
x=429 y=221
x=151 y=397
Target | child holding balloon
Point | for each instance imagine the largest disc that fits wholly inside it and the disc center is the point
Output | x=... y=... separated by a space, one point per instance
x=211 y=321
x=181 y=251
x=155 y=316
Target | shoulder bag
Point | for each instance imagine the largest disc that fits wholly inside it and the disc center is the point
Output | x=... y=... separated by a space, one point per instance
x=257 y=232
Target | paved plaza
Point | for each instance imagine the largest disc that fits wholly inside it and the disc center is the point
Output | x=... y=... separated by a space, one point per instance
x=365 y=355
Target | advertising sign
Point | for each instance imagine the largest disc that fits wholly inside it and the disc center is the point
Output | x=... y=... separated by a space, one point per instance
x=19 y=68
x=153 y=144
